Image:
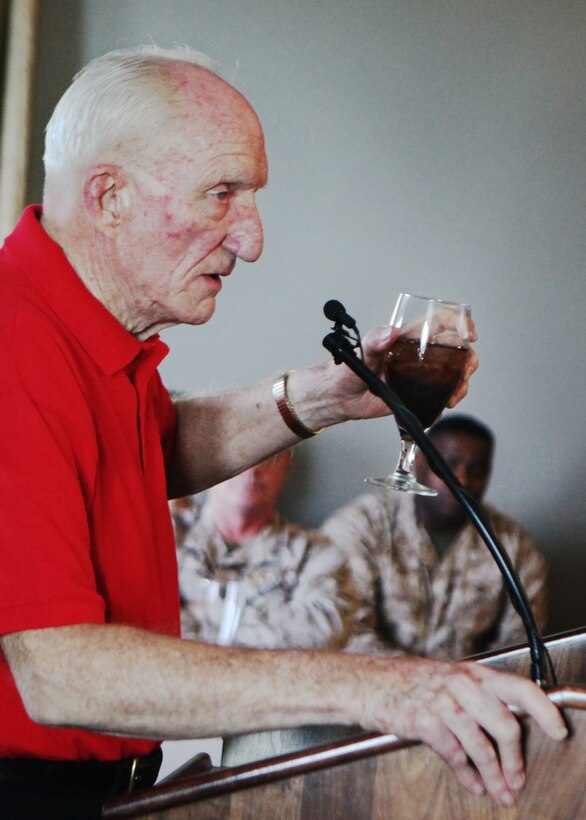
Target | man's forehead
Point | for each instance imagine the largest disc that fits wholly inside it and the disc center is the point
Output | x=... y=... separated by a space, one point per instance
x=455 y=442
x=218 y=119
x=209 y=96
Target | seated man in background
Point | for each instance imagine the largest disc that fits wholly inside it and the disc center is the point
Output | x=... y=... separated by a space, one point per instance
x=427 y=583
x=292 y=582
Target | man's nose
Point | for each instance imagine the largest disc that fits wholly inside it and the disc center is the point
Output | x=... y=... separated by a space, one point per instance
x=245 y=234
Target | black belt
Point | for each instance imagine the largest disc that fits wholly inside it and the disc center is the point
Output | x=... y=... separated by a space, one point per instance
x=109 y=776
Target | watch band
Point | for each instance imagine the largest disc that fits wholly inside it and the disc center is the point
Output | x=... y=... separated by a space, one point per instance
x=286 y=410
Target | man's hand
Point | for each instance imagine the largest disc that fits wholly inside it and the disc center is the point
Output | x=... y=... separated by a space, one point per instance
x=330 y=393
x=462 y=711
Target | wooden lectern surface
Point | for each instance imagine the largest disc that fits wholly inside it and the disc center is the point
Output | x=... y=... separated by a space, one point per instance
x=380 y=777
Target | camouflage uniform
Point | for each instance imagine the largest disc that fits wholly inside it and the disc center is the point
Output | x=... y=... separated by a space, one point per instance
x=412 y=601
x=295 y=582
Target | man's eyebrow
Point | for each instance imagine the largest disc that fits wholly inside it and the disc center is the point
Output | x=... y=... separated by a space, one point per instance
x=234 y=181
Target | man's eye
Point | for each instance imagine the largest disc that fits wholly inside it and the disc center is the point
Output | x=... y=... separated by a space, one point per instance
x=221 y=194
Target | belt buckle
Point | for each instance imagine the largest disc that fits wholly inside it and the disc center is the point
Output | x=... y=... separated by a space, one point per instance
x=134 y=775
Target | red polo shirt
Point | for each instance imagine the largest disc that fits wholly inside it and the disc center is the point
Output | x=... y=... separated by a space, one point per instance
x=87 y=431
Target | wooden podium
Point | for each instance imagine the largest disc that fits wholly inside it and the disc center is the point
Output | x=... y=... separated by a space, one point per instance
x=307 y=775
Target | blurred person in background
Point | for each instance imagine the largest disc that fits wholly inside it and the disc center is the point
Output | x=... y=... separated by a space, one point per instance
x=427 y=583
x=291 y=583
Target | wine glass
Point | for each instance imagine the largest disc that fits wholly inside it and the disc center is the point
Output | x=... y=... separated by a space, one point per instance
x=424 y=367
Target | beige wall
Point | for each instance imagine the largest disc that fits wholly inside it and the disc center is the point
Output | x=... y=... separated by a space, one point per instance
x=431 y=147
x=17 y=62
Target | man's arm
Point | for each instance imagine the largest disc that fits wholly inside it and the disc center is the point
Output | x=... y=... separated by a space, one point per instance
x=117 y=679
x=219 y=436
x=361 y=530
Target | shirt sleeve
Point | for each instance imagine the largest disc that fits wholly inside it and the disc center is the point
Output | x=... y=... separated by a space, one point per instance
x=532 y=571
x=357 y=529
x=167 y=416
x=47 y=577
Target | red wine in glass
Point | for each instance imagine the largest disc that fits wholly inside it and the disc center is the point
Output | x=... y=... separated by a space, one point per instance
x=425 y=382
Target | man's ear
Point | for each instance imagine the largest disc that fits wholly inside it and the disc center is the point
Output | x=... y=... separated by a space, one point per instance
x=104 y=196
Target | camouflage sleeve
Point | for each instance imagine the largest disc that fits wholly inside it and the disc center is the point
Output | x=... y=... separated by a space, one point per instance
x=532 y=571
x=355 y=529
x=366 y=641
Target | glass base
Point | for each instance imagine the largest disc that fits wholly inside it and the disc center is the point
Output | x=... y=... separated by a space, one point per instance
x=404 y=483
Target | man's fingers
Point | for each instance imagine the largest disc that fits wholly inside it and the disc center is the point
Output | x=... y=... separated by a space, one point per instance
x=434 y=732
x=471 y=364
x=491 y=713
x=468 y=777
x=532 y=700
x=499 y=764
x=378 y=339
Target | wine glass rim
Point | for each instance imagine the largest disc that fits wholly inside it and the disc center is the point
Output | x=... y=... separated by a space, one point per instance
x=439 y=301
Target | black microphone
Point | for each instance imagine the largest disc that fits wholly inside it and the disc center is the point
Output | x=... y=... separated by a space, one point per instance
x=336 y=312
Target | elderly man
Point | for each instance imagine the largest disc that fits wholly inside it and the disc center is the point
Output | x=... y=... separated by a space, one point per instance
x=428 y=584
x=153 y=163
x=290 y=585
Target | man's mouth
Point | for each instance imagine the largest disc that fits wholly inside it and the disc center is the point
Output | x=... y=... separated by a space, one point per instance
x=220 y=274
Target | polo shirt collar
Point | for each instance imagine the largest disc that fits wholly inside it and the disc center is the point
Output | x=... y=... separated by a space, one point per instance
x=45 y=264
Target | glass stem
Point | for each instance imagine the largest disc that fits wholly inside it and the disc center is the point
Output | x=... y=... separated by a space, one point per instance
x=407 y=456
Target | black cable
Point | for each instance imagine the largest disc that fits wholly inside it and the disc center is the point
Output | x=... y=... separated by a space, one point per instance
x=542 y=671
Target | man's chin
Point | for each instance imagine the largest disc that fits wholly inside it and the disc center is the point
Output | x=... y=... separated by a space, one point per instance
x=449 y=510
x=454 y=519
x=199 y=315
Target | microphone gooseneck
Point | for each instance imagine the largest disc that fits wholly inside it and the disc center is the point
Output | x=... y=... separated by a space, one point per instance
x=342 y=350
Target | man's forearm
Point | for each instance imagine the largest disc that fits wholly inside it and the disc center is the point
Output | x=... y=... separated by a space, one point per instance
x=120 y=680
x=219 y=436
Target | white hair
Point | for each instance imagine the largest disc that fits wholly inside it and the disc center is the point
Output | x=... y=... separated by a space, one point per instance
x=116 y=104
